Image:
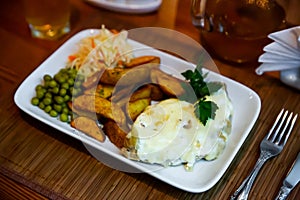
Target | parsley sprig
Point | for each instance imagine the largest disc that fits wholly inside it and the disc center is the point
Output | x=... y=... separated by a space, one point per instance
x=204 y=109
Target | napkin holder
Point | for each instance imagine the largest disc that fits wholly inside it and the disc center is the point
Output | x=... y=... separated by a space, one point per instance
x=283 y=55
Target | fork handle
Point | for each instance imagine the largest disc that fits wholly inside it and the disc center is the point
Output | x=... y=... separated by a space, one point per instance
x=243 y=191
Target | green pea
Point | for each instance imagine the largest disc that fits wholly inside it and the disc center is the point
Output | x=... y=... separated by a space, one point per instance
x=62 y=80
x=56 y=77
x=52 y=83
x=39 y=87
x=63 y=70
x=62 y=92
x=47 y=101
x=55 y=90
x=72 y=71
x=44 y=90
x=47 y=77
x=46 y=84
x=73 y=76
x=41 y=105
x=59 y=99
x=65 y=110
x=59 y=78
x=57 y=107
x=64 y=104
x=71 y=82
x=35 y=101
x=76 y=91
x=64 y=117
x=67 y=98
x=53 y=113
x=66 y=76
x=40 y=94
x=80 y=77
x=77 y=84
x=48 y=95
x=65 y=85
x=71 y=89
x=48 y=108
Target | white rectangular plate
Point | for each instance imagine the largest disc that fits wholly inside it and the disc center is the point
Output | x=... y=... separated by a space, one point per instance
x=246 y=104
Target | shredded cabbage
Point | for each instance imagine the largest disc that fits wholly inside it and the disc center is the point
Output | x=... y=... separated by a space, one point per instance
x=103 y=50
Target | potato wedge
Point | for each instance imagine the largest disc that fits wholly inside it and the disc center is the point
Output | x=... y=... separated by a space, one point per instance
x=83 y=113
x=142 y=93
x=142 y=60
x=115 y=134
x=128 y=94
x=170 y=85
x=122 y=94
x=88 y=126
x=123 y=77
x=112 y=76
x=156 y=93
x=90 y=103
x=100 y=106
x=135 y=108
x=101 y=90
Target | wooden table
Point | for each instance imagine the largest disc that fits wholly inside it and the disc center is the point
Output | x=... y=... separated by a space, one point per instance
x=39 y=162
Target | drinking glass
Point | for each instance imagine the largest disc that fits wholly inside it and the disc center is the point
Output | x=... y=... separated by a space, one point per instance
x=47 y=19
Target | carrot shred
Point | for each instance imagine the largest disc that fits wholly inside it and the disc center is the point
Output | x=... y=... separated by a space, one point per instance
x=114 y=31
x=93 y=43
x=72 y=57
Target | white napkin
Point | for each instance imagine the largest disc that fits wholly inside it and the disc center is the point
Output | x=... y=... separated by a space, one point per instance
x=283 y=53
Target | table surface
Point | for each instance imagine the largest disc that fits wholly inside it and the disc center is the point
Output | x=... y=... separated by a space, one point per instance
x=37 y=161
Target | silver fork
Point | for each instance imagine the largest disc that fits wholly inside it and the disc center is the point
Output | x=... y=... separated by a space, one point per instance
x=270 y=146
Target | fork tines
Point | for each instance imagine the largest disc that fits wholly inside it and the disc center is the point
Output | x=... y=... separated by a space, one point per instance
x=283 y=124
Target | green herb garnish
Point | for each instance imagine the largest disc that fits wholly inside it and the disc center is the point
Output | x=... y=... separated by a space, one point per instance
x=204 y=109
